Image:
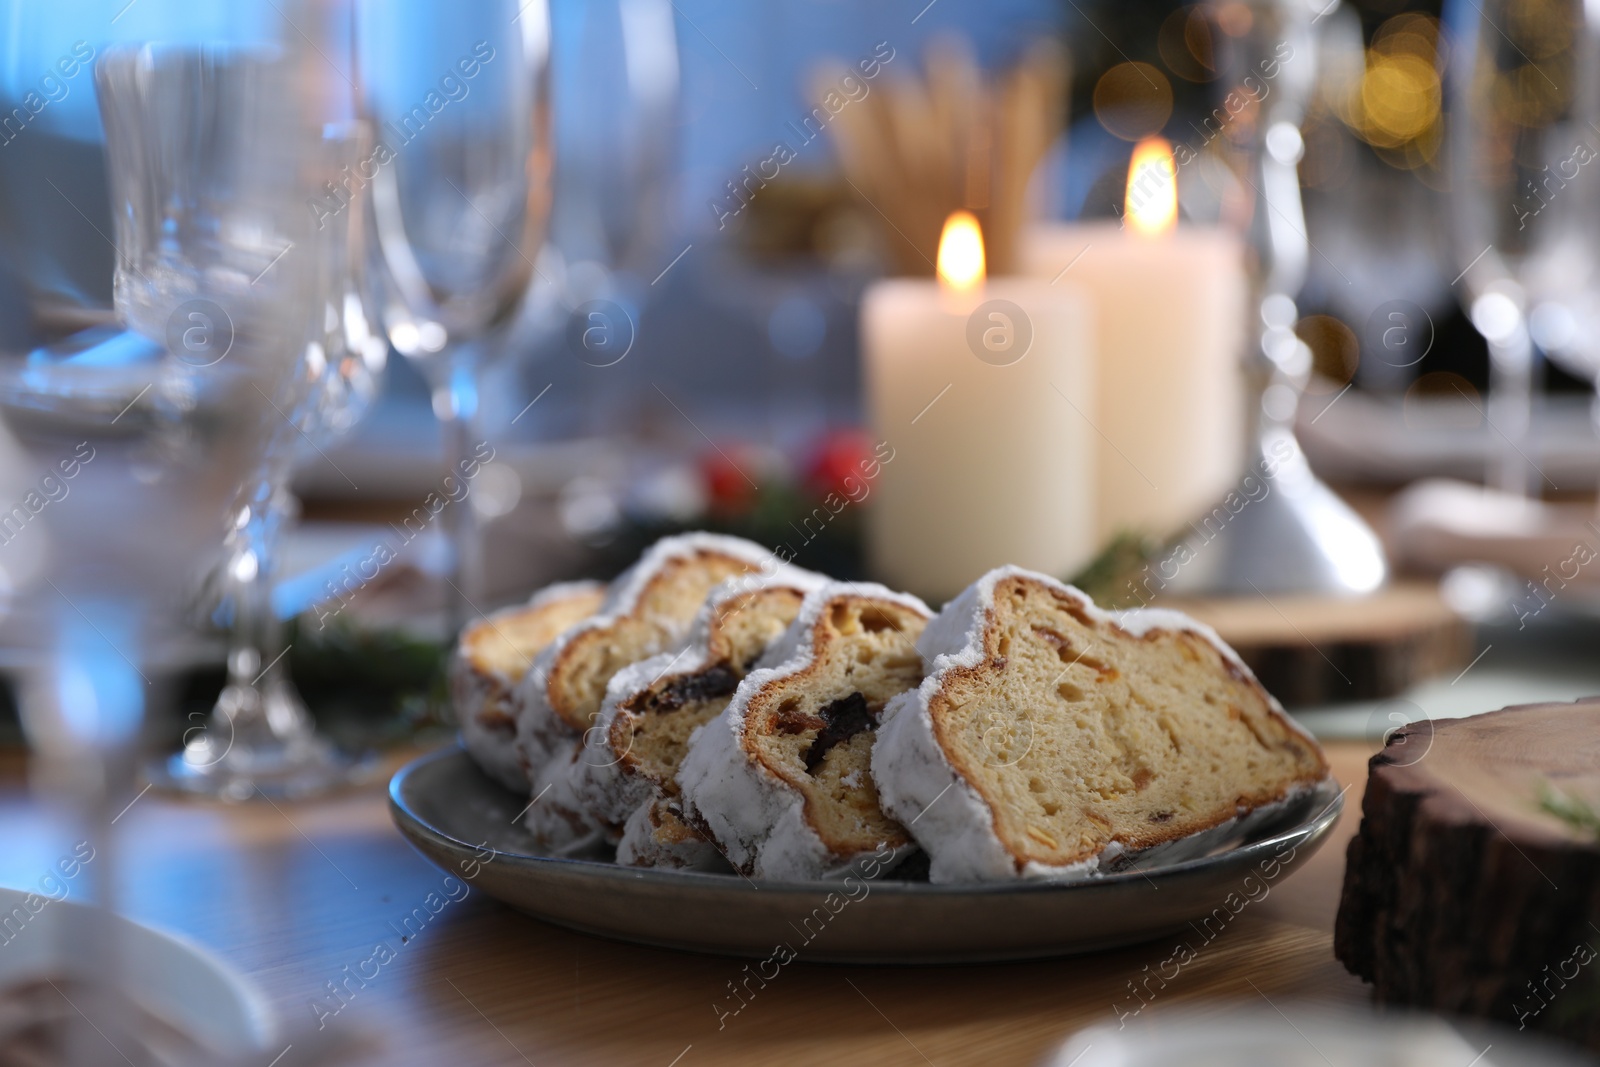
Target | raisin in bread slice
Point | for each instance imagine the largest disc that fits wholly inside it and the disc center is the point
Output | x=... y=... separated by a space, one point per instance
x=489 y=660
x=781 y=778
x=1050 y=736
x=647 y=610
x=630 y=755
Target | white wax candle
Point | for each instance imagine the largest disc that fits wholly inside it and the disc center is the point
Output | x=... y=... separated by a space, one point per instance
x=1170 y=315
x=994 y=456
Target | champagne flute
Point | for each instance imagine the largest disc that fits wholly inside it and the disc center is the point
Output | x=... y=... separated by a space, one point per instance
x=460 y=190
x=1520 y=85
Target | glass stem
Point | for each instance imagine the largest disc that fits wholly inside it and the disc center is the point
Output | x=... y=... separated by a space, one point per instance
x=256 y=652
x=252 y=600
x=1510 y=414
x=91 y=940
x=455 y=402
x=83 y=710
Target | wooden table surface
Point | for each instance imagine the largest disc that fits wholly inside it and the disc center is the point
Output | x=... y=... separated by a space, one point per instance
x=292 y=894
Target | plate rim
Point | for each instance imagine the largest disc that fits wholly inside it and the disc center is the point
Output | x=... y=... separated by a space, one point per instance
x=1312 y=827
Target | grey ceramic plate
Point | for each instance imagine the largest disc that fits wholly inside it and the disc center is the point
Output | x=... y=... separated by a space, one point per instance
x=446 y=807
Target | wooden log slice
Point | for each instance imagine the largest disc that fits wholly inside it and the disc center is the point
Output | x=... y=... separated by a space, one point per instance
x=1310 y=650
x=1473 y=885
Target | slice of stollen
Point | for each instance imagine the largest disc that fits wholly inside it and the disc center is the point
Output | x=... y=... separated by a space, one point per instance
x=630 y=756
x=780 y=779
x=647 y=610
x=489 y=660
x=1051 y=736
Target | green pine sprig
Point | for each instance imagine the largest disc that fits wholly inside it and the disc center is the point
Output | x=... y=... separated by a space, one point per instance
x=1570 y=808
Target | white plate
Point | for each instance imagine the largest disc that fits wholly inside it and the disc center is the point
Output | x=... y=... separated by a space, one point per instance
x=179 y=982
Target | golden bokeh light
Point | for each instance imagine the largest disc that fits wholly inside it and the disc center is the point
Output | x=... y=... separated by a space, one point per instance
x=1535 y=94
x=1412 y=32
x=1335 y=352
x=1235 y=18
x=1541 y=29
x=1186 y=46
x=1442 y=400
x=1399 y=99
x=1396 y=103
x=1133 y=100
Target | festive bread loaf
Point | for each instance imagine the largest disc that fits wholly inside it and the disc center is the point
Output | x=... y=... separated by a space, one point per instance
x=647 y=610
x=490 y=659
x=1050 y=736
x=780 y=779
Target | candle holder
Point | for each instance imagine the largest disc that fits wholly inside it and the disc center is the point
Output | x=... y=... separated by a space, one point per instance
x=1297 y=536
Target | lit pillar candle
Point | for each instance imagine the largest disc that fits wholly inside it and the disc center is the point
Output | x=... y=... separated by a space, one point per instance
x=1170 y=313
x=982 y=388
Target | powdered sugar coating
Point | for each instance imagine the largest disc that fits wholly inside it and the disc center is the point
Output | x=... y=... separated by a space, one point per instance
x=757 y=817
x=642 y=846
x=554 y=817
x=484 y=696
x=918 y=785
x=539 y=729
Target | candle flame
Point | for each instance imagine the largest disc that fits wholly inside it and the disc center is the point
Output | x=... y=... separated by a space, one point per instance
x=1152 y=205
x=961 y=263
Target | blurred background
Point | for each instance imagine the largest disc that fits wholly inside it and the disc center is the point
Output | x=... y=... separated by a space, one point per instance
x=691 y=326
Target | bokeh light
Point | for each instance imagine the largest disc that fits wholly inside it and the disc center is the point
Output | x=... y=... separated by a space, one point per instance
x=1186 y=45
x=1393 y=101
x=1398 y=100
x=1133 y=100
x=1335 y=352
x=1442 y=400
x=1235 y=18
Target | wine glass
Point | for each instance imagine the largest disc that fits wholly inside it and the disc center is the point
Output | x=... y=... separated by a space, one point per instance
x=1522 y=107
x=141 y=440
x=260 y=737
x=459 y=101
